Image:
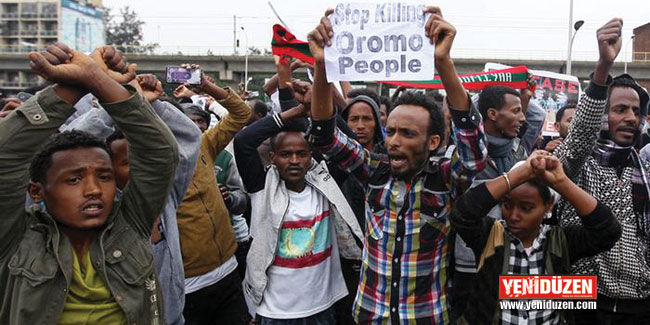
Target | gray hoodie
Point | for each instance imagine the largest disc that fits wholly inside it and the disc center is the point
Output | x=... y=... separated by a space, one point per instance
x=167 y=252
x=378 y=136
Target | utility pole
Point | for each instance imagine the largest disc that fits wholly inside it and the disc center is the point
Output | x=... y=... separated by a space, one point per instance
x=234 y=34
x=570 y=39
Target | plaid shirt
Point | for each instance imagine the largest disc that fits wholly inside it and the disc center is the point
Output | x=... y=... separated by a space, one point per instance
x=523 y=263
x=405 y=276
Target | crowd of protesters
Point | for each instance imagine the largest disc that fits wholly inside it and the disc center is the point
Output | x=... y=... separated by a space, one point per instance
x=120 y=204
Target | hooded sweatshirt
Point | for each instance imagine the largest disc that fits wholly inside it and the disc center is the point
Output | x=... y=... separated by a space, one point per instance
x=378 y=136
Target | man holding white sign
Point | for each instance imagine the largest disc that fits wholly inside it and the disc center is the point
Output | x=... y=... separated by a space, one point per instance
x=384 y=41
x=407 y=253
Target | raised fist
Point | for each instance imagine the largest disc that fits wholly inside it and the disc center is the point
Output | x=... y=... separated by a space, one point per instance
x=60 y=64
x=114 y=63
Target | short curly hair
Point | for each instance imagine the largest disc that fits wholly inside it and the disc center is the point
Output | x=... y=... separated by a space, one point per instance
x=494 y=97
x=63 y=141
x=436 y=119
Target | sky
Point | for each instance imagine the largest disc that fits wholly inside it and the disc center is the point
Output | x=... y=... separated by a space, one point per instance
x=486 y=29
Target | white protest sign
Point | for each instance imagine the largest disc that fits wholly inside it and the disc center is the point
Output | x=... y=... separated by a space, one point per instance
x=379 y=41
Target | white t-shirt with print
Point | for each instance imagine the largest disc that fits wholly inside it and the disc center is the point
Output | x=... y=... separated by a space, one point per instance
x=305 y=277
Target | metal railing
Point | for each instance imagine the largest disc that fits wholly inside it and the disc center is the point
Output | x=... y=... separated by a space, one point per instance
x=48 y=15
x=9 y=15
x=47 y=32
x=10 y=32
x=29 y=32
x=29 y=14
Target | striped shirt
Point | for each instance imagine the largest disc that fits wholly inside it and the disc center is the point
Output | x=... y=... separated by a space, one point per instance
x=405 y=275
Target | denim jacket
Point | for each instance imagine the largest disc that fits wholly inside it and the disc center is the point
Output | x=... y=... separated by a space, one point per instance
x=36 y=258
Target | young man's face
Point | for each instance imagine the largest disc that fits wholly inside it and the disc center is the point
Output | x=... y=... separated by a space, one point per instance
x=362 y=121
x=562 y=125
x=407 y=141
x=624 y=110
x=509 y=118
x=292 y=156
x=120 y=162
x=79 y=188
x=199 y=121
x=523 y=209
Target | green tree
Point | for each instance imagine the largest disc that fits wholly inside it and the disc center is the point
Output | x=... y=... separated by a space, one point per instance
x=125 y=31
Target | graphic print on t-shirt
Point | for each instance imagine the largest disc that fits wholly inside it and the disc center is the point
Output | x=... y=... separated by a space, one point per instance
x=304 y=243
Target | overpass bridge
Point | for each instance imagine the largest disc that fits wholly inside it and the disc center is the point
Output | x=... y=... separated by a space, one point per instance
x=230 y=70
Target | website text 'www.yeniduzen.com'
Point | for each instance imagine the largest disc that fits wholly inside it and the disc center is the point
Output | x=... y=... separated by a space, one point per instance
x=535 y=292
x=546 y=304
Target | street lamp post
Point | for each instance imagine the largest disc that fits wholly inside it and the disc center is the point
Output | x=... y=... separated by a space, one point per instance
x=246 y=61
x=576 y=26
x=626 y=43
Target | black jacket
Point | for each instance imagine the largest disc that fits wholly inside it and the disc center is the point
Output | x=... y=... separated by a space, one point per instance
x=490 y=242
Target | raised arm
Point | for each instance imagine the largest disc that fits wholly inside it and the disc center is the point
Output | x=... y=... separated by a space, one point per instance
x=442 y=34
x=599 y=230
x=219 y=136
x=152 y=149
x=470 y=156
x=187 y=136
x=469 y=217
x=21 y=134
x=247 y=141
x=346 y=152
x=273 y=84
x=535 y=116
x=586 y=122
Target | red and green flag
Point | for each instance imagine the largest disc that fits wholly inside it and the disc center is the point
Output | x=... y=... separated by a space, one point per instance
x=285 y=44
x=513 y=77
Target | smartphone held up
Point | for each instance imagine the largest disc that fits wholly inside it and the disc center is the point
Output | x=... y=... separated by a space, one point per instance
x=178 y=75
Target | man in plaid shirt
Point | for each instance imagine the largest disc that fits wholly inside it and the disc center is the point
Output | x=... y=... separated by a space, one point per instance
x=405 y=275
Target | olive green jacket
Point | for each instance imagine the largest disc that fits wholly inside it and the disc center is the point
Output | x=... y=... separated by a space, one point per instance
x=36 y=258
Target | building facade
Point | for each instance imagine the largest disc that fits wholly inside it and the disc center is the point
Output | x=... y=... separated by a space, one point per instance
x=28 y=25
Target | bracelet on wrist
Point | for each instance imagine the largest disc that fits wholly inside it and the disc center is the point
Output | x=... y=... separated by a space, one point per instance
x=505 y=176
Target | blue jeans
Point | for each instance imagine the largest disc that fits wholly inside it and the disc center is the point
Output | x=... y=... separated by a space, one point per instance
x=325 y=317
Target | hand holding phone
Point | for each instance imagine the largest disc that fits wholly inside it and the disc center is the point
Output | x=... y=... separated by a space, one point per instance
x=180 y=75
